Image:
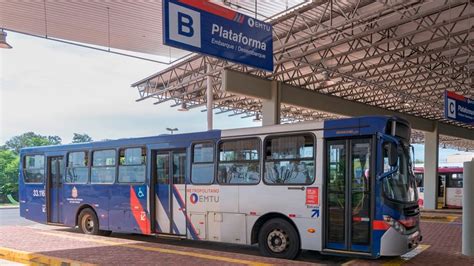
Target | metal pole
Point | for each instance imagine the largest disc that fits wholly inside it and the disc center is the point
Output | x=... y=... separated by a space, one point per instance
x=468 y=209
x=210 y=97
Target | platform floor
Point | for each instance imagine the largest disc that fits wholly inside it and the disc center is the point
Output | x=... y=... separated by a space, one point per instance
x=31 y=243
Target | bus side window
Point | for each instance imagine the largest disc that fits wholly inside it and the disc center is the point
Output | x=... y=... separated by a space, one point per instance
x=33 y=166
x=239 y=162
x=289 y=160
x=132 y=165
x=103 y=167
x=202 y=170
x=455 y=180
x=77 y=168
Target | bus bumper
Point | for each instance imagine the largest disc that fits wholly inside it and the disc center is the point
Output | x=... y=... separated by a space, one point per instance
x=395 y=244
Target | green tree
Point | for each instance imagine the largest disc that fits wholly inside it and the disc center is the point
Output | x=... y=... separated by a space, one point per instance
x=30 y=139
x=9 y=163
x=80 y=138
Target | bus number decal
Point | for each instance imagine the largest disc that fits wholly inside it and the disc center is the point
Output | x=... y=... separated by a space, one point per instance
x=38 y=193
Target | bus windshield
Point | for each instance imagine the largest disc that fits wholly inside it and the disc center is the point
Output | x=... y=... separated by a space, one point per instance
x=400 y=185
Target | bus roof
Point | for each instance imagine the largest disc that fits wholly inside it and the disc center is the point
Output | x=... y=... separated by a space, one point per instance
x=213 y=134
x=365 y=125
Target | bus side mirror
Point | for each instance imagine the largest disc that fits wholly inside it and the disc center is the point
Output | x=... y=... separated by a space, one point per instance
x=392 y=154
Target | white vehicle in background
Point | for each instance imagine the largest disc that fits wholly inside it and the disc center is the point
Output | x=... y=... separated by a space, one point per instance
x=450 y=180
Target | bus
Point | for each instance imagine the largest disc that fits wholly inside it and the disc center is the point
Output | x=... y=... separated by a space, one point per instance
x=341 y=187
x=449 y=186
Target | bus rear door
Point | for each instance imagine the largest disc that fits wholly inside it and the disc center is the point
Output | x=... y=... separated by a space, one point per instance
x=348 y=195
x=54 y=189
x=170 y=191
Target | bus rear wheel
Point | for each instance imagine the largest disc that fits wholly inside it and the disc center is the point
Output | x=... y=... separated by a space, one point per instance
x=278 y=238
x=89 y=224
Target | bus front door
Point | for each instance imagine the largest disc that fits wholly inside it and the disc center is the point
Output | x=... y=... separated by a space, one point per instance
x=55 y=186
x=170 y=192
x=348 y=192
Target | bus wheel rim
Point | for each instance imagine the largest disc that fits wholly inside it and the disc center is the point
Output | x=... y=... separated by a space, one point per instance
x=277 y=241
x=88 y=223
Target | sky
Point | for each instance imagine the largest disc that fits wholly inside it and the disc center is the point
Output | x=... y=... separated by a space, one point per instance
x=53 y=88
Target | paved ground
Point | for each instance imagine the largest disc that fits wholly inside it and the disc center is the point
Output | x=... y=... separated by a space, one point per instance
x=11 y=216
x=55 y=245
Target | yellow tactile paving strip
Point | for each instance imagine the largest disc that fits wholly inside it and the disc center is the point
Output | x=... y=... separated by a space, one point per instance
x=160 y=250
x=31 y=258
x=408 y=256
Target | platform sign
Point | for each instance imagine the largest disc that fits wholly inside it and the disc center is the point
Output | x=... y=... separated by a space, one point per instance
x=458 y=108
x=207 y=28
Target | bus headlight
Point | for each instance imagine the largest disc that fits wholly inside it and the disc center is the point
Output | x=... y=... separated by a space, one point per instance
x=394 y=224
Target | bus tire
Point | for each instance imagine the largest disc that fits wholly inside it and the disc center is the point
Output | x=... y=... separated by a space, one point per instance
x=88 y=222
x=278 y=238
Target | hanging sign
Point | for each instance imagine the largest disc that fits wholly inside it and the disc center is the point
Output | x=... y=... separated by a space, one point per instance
x=207 y=28
x=458 y=108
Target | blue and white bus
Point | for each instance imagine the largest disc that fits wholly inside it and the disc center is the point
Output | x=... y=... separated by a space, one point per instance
x=339 y=187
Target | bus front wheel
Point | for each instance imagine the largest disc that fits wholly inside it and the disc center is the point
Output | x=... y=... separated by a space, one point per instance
x=89 y=224
x=278 y=238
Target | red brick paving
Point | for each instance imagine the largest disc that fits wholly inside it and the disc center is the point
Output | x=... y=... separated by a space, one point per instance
x=88 y=251
x=444 y=240
x=445 y=245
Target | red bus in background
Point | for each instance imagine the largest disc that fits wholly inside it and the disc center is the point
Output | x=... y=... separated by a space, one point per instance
x=449 y=186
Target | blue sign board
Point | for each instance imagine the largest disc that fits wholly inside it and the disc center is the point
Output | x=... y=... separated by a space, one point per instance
x=203 y=27
x=458 y=108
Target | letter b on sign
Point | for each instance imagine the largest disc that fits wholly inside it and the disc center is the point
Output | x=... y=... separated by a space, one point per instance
x=184 y=25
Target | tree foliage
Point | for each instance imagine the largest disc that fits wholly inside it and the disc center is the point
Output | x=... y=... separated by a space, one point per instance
x=80 y=138
x=10 y=159
x=30 y=139
x=9 y=164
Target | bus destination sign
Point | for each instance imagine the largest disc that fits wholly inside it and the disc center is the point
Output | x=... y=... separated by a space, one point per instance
x=458 y=108
x=203 y=27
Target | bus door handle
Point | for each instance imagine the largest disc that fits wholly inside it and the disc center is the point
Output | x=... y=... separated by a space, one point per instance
x=296 y=188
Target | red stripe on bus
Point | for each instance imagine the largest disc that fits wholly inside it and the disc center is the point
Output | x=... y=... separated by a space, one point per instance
x=185 y=213
x=380 y=225
x=138 y=213
x=211 y=8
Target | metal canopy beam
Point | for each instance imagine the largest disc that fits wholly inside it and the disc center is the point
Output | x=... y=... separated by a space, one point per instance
x=247 y=85
x=389 y=56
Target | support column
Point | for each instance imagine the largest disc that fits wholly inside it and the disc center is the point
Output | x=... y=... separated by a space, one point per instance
x=271 y=107
x=468 y=209
x=431 y=169
x=210 y=98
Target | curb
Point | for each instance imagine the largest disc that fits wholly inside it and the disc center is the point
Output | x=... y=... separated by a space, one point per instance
x=447 y=218
x=31 y=258
x=442 y=211
x=9 y=207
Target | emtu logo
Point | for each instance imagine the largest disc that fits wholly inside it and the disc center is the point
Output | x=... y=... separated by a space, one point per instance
x=194 y=198
x=184 y=25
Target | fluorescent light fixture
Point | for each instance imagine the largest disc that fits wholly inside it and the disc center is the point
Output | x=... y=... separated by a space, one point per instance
x=183 y=108
x=257 y=118
x=3 y=40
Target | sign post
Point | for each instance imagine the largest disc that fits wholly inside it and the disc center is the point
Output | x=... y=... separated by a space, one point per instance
x=203 y=27
x=458 y=108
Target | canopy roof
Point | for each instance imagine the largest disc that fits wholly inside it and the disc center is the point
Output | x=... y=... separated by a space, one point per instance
x=394 y=54
x=397 y=55
x=124 y=26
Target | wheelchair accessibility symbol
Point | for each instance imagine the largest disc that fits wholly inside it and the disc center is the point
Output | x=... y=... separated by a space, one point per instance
x=140 y=193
